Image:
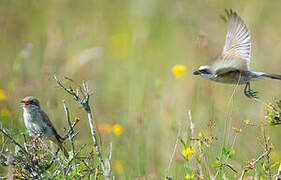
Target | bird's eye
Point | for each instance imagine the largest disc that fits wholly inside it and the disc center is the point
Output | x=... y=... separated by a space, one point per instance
x=205 y=71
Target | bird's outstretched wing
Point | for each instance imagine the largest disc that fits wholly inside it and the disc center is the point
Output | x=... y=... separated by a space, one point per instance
x=236 y=53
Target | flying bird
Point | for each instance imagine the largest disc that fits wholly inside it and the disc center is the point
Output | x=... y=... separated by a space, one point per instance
x=232 y=65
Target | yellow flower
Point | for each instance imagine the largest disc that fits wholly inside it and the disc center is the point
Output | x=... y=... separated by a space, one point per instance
x=247 y=121
x=5 y=112
x=269 y=110
x=76 y=120
x=2 y=95
x=118 y=166
x=187 y=176
x=104 y=128
x=188 y=152
x=96 y=173
x=117 y=129
x=21 y=175
x=178 y=70
x=271 y=146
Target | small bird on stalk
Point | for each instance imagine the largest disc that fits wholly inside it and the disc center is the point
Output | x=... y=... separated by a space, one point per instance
x=38 y=123
x=232 y=65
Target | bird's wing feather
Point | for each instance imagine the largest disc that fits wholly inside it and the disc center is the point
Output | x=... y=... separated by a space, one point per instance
x=237 y=49
x=58 y=138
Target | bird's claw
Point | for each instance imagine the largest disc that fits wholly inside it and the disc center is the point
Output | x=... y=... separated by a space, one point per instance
x=251 y=94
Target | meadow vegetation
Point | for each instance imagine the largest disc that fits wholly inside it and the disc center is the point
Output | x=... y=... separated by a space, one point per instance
x=153 y=119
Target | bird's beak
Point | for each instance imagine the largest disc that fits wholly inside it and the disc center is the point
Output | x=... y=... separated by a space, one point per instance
x=196 y=72
x=24 y=103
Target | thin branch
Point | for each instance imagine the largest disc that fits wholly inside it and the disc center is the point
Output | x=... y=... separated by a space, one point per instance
x=57 y=171
x=108 y=168
x=84 y=102
x=4 y=144
x=52 y=160
x=90 y=118
x=67 y=117
x=278 y=176
x=251 y=165
x=262 y=156
x=69 y=90
x=68 y=166
x=71 y=126
x=4 y=160
x=174 y=152
x=75 y=83
x=227 y=165
x=15 y=142
x=267 y=148
x=242 y=174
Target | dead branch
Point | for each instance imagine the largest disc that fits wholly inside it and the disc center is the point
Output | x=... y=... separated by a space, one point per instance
x=278 y=176
x=70 y=132
x=108 y=168
x=251 y=165
x=67 y=168
x=227 y=165
x=82 y=96
x=15 y=142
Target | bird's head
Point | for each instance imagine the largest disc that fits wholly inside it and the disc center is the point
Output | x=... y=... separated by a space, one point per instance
x=30 y=102
x=203 y=70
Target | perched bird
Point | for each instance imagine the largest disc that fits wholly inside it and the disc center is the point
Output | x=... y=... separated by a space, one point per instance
x=38 y=123
x=232 y=66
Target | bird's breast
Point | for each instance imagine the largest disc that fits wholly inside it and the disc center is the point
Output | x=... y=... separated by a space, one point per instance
x=33 y=122
x=228 y=78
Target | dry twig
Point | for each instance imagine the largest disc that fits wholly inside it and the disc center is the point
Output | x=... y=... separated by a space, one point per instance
x=108 y=168
x=82 y=96
x=227 y=165
x=251 y=165
x=278 y=176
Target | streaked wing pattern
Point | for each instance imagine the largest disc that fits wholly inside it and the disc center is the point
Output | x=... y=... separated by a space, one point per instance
x=50 y=124
x=237 y=49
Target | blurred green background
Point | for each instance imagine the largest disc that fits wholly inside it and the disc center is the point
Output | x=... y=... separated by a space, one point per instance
x=126 y=51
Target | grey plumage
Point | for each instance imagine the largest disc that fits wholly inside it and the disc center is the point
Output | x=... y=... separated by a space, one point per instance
x=38 y=122
x=232 y=65
x=272 y=76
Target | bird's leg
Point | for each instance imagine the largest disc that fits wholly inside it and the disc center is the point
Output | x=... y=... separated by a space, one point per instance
x=252 y=92
x=249 y=92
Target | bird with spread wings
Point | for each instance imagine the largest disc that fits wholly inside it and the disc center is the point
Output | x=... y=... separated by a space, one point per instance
x=232 y=65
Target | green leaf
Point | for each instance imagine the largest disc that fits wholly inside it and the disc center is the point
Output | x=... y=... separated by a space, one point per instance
x=274 y=165
x=182 y=142
x=224 y=151
x=198 y=160
x=217 y=164
x=231 y=153
x=228 y=153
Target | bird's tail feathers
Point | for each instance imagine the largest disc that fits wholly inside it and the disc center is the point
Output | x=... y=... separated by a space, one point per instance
x=57 y=139
x=63 y=150
x=272 y=76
